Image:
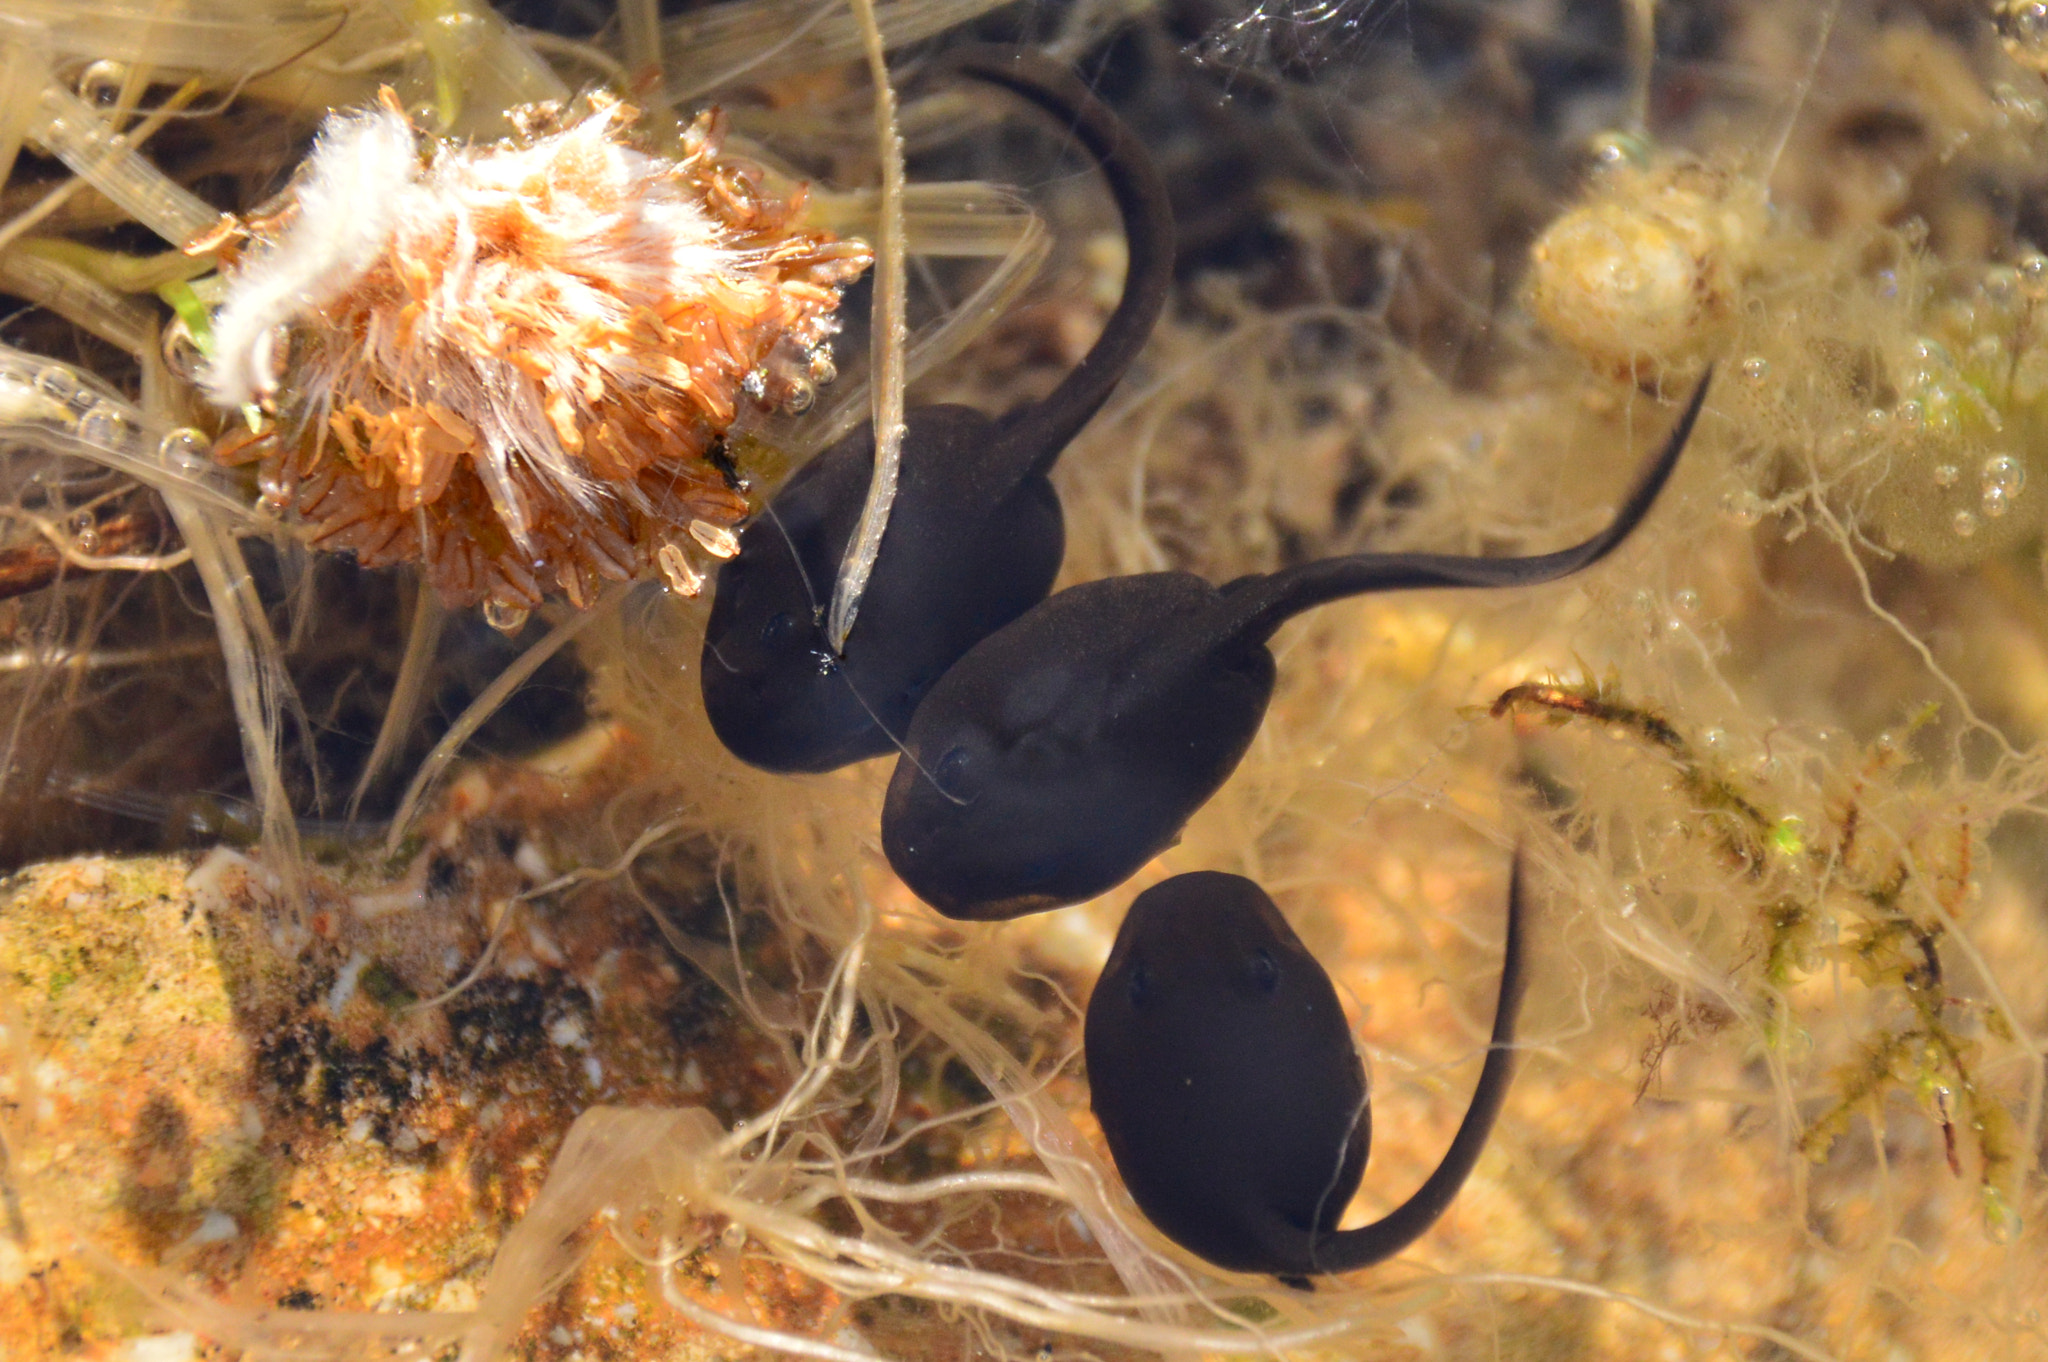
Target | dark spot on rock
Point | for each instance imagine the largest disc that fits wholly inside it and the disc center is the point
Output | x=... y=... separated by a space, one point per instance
x=159 y=1171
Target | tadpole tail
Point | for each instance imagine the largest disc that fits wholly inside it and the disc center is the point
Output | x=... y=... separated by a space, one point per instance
x=1349 y=1250
x=1043 y=429
x=1263 y=604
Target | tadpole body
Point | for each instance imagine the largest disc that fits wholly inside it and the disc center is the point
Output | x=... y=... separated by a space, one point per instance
x=1069 y=747
x=1231 y=1095
x=976 y=534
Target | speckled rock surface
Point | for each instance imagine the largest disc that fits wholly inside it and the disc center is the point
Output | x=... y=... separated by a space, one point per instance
x=187 y=1096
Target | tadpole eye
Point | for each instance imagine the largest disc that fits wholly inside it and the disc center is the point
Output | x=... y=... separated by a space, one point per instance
x=1265 y=971
x=1139 y=986
x=777 y=627
x=951 y=771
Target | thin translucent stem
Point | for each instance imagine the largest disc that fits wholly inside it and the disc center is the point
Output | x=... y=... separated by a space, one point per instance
x=252 y=681
x=75 y=134
x=481 y=708
x=78 y=298
x=888 y=337
x=423 y=641
x=719 y=44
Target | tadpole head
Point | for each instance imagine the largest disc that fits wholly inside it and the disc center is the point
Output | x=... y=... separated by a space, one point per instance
x=1064 y=751
x=968 y=549
x=772 y=689
x=988 y=826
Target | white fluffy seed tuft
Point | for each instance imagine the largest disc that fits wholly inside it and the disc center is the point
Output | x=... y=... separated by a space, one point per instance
x=512 y=363
x=347 y=203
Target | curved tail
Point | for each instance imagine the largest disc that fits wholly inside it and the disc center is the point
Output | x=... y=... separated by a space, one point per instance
x=1045 y=428
x=1264 y=604
x=1349 y=1250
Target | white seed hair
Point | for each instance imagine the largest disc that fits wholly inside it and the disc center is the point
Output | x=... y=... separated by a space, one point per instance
x=559 y=320
x=349 y=199
x=644 y=238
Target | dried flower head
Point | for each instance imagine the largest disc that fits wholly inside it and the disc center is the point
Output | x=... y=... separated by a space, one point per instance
x=509 y=362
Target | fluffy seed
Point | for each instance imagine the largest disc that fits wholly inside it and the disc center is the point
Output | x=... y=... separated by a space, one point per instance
x=508 y=362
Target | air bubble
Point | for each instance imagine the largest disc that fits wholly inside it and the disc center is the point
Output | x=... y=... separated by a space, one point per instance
x=100 y=83
x=2023 y=28
x=1910 y=414
x=2033 y=271
x=802 y=393
x=1959 y=317
x=2010 y=101
x=1756 y=368
x=275 y=494
x=504 y=616
x=1743 y=507
x=2002 y=286
x=1714 y=739
x=1965 y=524
x=85 y=532
x=1941 y=405
x=734 y=1235
x=2004 y=474
x=58 y=382
x=824 y=369
x=1687 y=600
x=1947 y=475
x=182 y=355
x=1931 y=353
x=184 y=449
x=1617 y=150
x=104 y=425
x=2001 y=1221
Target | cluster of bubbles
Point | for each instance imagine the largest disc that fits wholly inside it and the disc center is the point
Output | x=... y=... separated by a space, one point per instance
x=2023 y=28
x=1969 y=421
x=1939 y=462
x=57 y=399
x=789 y=382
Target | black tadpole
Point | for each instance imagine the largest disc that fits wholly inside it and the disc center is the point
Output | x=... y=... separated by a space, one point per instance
x=1233 y=1100
x=1069 y=747
x=976 y=534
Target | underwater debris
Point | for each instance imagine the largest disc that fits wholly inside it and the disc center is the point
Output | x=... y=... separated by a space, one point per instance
x=513 y=363
x=1853 y=892
x=1643 y=279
